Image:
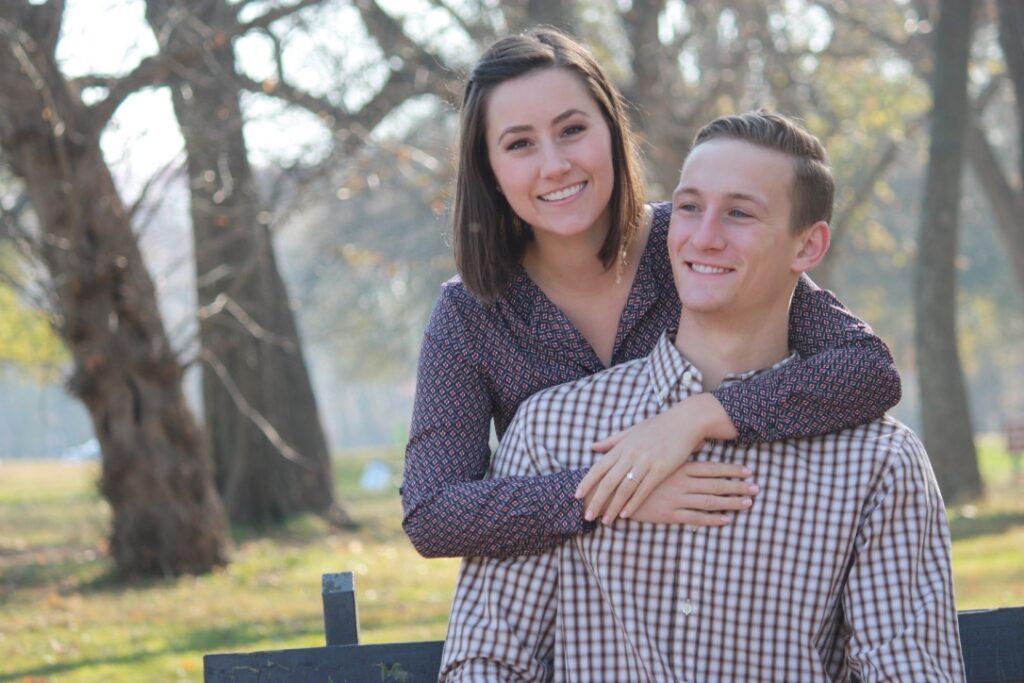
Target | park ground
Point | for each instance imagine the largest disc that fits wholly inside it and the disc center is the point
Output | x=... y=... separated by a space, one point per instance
x=63 y=617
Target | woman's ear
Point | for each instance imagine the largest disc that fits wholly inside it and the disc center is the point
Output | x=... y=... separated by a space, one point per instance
x=812 y=246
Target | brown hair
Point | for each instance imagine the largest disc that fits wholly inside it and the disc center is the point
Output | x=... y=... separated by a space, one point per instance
x=813 y=186
x=488 y=238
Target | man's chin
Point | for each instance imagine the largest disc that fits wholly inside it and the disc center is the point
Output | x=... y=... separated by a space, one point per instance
x=702 y=306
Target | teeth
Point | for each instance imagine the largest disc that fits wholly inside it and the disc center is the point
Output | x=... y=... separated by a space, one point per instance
x=562 y=194
x=707 y=270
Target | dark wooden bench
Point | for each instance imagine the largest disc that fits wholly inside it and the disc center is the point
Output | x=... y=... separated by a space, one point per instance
x=993 y=644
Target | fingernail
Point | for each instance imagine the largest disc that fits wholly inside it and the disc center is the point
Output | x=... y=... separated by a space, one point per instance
x=725 y=520
x=606 y=520
x=624 y=515
x=589 y=516
x=577 y=495
x=747 y=472
x=753 y=488
x=746 y=502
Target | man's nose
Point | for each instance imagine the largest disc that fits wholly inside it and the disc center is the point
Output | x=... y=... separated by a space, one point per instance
x=708 y=234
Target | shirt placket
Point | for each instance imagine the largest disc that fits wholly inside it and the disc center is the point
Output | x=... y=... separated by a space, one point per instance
x=688 y=606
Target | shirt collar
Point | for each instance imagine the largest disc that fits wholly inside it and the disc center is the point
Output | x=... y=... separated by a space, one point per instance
x=671 y=374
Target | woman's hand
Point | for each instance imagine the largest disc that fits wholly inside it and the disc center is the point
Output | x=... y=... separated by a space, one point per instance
x=697 y=493
x=637 y=459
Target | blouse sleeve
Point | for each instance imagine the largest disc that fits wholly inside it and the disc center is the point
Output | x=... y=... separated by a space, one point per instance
x=450 y=509
x=844 y=376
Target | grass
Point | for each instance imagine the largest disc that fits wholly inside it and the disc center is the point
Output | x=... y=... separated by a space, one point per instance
x=63 y=616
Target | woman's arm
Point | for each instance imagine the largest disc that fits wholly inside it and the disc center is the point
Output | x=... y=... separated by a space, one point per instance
x=845 y=376
x=450 y=509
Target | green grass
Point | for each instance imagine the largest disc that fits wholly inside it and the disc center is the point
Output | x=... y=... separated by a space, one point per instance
x=63 y=617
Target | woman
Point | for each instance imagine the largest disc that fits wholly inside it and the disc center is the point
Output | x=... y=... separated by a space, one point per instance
x=564 y=271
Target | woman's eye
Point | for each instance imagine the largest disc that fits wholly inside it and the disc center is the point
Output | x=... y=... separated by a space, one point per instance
x=517 y=144
x=573 y=130
x=688 y=208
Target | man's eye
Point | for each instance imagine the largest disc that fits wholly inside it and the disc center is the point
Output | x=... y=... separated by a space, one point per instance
x=688 y=208
x=739 y=213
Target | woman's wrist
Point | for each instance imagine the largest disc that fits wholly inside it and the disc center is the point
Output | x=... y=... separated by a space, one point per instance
x=711 y=419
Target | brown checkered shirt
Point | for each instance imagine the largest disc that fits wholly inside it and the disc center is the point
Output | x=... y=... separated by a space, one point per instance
x=840 y=571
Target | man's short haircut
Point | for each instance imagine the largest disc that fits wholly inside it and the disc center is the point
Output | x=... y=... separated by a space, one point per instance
x=487 y=236
x=813 y=189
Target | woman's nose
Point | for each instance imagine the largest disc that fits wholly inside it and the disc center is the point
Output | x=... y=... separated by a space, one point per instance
x=554 y=162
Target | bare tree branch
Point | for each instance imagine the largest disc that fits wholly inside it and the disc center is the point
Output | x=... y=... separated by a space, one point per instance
x=223 y=303
x=353 y=127
x=476 y=30
x=154 y=71
x=246 y=409
x=390 y=35
x=865 y=185
x=265 y=20
x=151 y=72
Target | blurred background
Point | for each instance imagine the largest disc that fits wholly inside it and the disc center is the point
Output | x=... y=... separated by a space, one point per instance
x=224 y=222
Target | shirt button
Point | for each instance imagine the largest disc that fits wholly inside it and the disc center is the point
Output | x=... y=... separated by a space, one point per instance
x=687 y=376
x=687 y=607
x=662 y=395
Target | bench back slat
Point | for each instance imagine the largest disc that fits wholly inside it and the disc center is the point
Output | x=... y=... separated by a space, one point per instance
x=993 y=647
x=388 y=663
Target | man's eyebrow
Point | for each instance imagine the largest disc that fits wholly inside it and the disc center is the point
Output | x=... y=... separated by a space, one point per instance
x=511 y=130
x=731 y=195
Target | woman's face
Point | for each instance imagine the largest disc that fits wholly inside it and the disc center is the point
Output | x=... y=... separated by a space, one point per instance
x=550 y=151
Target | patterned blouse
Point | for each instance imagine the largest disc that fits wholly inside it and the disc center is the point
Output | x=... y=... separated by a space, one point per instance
x=479 y=362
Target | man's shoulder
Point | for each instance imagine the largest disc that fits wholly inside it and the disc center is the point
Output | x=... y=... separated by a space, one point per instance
x=883 y=440
x=618 y=377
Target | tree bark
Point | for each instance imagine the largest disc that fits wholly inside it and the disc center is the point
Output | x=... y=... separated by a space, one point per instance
x=1006 y=201
x=156 y=471
x=944 y=410
x=1006 y=198
x=261 y=414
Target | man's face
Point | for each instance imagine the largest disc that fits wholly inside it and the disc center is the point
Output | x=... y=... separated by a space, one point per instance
x=730 y=242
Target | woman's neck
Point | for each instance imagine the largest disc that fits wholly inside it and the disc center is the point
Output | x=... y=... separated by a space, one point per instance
x=571 y=264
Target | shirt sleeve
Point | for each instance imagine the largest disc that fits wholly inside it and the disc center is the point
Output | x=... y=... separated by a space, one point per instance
x=502 y=626
x=504 y=612
x=898 y=602
x=450 y=509
x=844 y=376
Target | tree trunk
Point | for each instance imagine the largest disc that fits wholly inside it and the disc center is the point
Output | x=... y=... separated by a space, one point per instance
x=1006 y=200
x=944 y=411
x=156 y=471
x=665 y=140
x=261 y=414
x=1007 y=203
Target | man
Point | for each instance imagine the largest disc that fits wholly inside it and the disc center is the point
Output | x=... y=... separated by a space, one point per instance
x=840 y=571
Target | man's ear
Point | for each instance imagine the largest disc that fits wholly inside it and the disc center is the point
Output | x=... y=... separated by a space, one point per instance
x=811 y=247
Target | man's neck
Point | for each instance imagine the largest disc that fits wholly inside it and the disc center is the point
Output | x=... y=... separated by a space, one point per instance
x=720 y=346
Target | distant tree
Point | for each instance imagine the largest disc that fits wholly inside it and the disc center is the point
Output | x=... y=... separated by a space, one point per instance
x=261 y=414
x=1005 y=191
x=156 y=471
x=947 y=425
